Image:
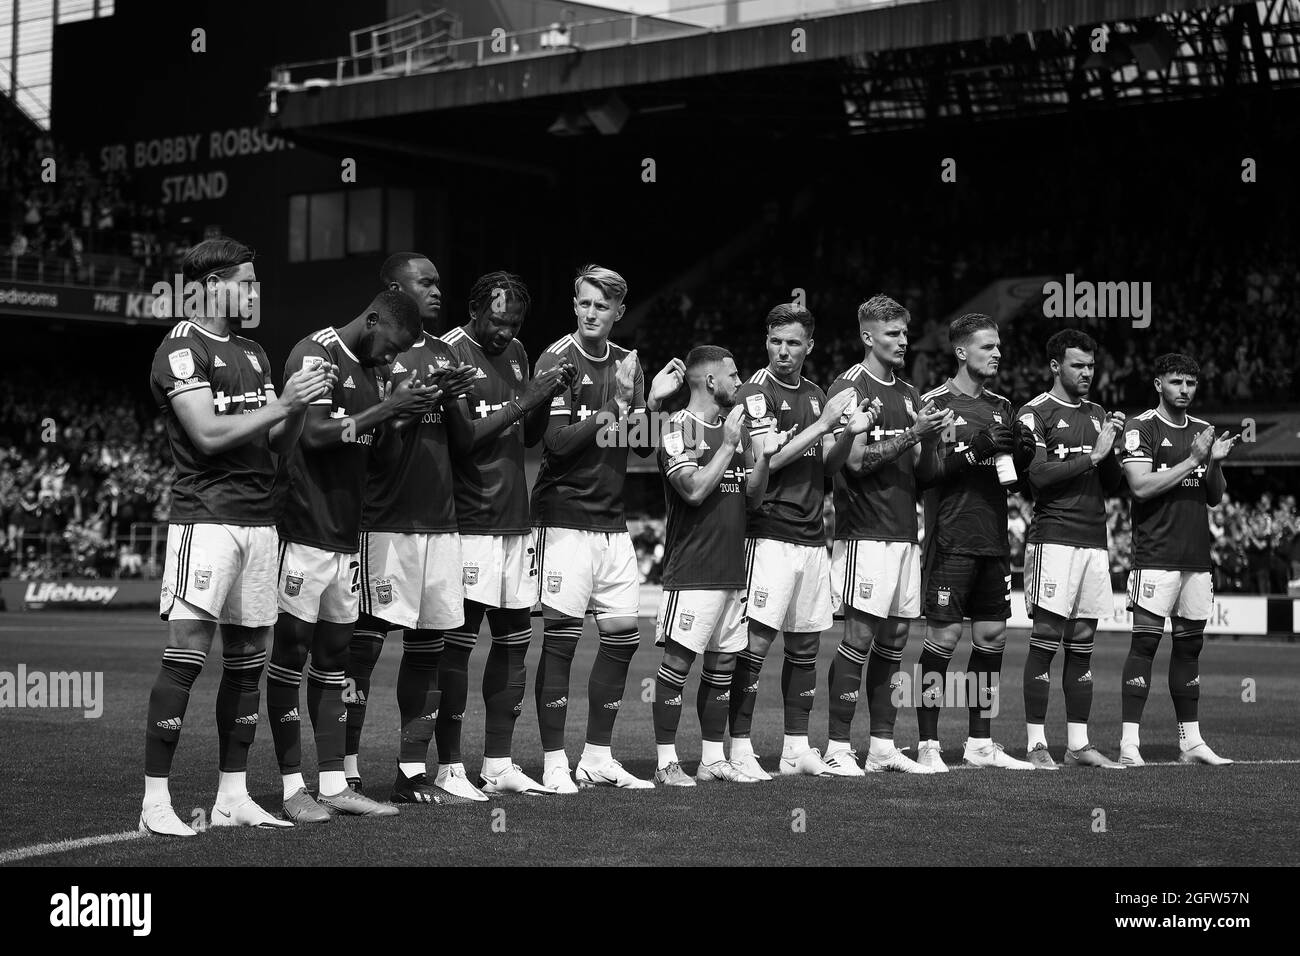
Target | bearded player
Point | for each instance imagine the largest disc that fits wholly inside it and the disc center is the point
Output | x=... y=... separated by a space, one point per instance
x=1172 y=462
x=788 y=569
x=876 y=561
x=322 y=487
x=710 y=465
x=225 y=424
x=584 y=551
x=967 y=556
x=1067 y=564
x=410 y=547
x=498 y=560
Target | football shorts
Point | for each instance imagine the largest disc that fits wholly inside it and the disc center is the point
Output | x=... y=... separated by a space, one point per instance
x=704 y=620
x=413 y=580
x=976 y=586
x=1068 y=581
x=1165 y=593
x=224 y=570
x=499 y=570
x=588 y=571
x=789 y=584
x=318 y=585
x=880 y=578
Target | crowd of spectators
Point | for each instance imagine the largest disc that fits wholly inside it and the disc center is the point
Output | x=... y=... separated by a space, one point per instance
x=81 y=228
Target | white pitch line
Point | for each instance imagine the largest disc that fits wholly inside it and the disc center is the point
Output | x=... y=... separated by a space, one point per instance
x=44 y=849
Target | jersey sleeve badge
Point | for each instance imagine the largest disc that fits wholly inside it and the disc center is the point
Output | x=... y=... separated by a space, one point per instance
x=674 y=444
x=1132 y=440
x=910 y=410
x=1096 y=423
x=182 y=363
x=756 y=405
x=252 y=360
x=816 y=406
x=1027 y=420
x=519 y=376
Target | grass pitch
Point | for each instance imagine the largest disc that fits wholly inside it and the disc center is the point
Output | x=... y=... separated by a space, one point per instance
x=68 y=778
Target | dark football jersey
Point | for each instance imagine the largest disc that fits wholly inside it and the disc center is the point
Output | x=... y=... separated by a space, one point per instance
x=235 y=486
x=410 y=488
x=880 y=506
x=1171 y=531
x=584 y=489
x=491 y=491
x=1069 y=512
x=791 y=509
x=321 y=491
x=704 y=545
x=967 y=514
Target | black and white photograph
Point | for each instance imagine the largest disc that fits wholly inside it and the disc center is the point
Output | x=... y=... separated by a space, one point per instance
x=449 y=434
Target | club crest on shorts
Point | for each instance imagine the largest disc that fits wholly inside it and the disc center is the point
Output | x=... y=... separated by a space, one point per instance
x=1049 y=589
x=469 y=574
x=1132 y=440
x=760 y=598
x=384 y=592
x=944 y=597
x=1148 y=590
x=686 y=619
x=756 y=405
x=293 y=584
x=202 y=579
x=181 y=362
x=519 y=376
x=864 y=589
x=553 y=579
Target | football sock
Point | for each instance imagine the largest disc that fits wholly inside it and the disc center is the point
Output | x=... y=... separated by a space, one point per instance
x=332 y=782
x=986 y=664
x=555 y=758
x=495 y=765
x=1038 y=675
x=239 y=705
x=1185 y=672
x=418 y=696
x=363 y=655
x=665 y=754
x=667 y=707
x=328 y=717
x=798 y=690
x=792 y=745
x=880 y=746
x=608 y=682
x=1137 y=671
x=740 y=746
x=711 y=751
x=453 y=679
x=167 y=702
x=1035 y=734
x=595 y=754
x=156 y=791
x=711 y=703
x=883 y=664
x=1076 y=735
x=283 y=681
x=1129 y=734
x=836 y=746
x=934 y=673
x=1189 y=734
x=559 y=641
x=1076 y=682
x=744 y=692
x=292 y=783
x=844 y=682
x=232 y=785
x=505 y=677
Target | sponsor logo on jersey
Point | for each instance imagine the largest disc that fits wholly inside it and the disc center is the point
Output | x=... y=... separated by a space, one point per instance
x=1132 y=440
x=252 y=360
x=217 y=363
x=586 y=379
x=674 y=444
x=384 y=591
x=760 y=598
x=469 y=574
x=519 y=376
x=703 y=445
x=557 y=401
x=864 y=589
x=959 y=421
x=553 y=581
x=181 y=362
x=479 y=373
x=1166 y=443
x=202 y=579
x=1062 y=423
x=685 y=620
x=944 y=597
x=312 y=362
x=756 y=405
x=293 y=584
x=398 y=368
x=348 y=383
x=785 y=406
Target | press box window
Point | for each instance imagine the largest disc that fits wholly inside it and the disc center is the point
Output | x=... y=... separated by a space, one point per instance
x=336 y=224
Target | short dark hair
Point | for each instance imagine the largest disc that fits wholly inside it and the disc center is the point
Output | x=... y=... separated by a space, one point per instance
x=397 y=309
x=1177 y=363
x=391 y=270
x=219 y=255
x=964 y=326
x=1069 y=339
x=788 y=313
x=881 y=308
x=486 y=286
x=706 y=355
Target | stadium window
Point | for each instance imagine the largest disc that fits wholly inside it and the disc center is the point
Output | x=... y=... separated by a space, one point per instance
x=297 y=228
x=365 y=216
x=325 y=218
x=401 y=219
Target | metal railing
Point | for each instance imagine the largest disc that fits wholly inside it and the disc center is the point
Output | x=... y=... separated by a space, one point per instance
x=55 y=555
x=94 y=272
